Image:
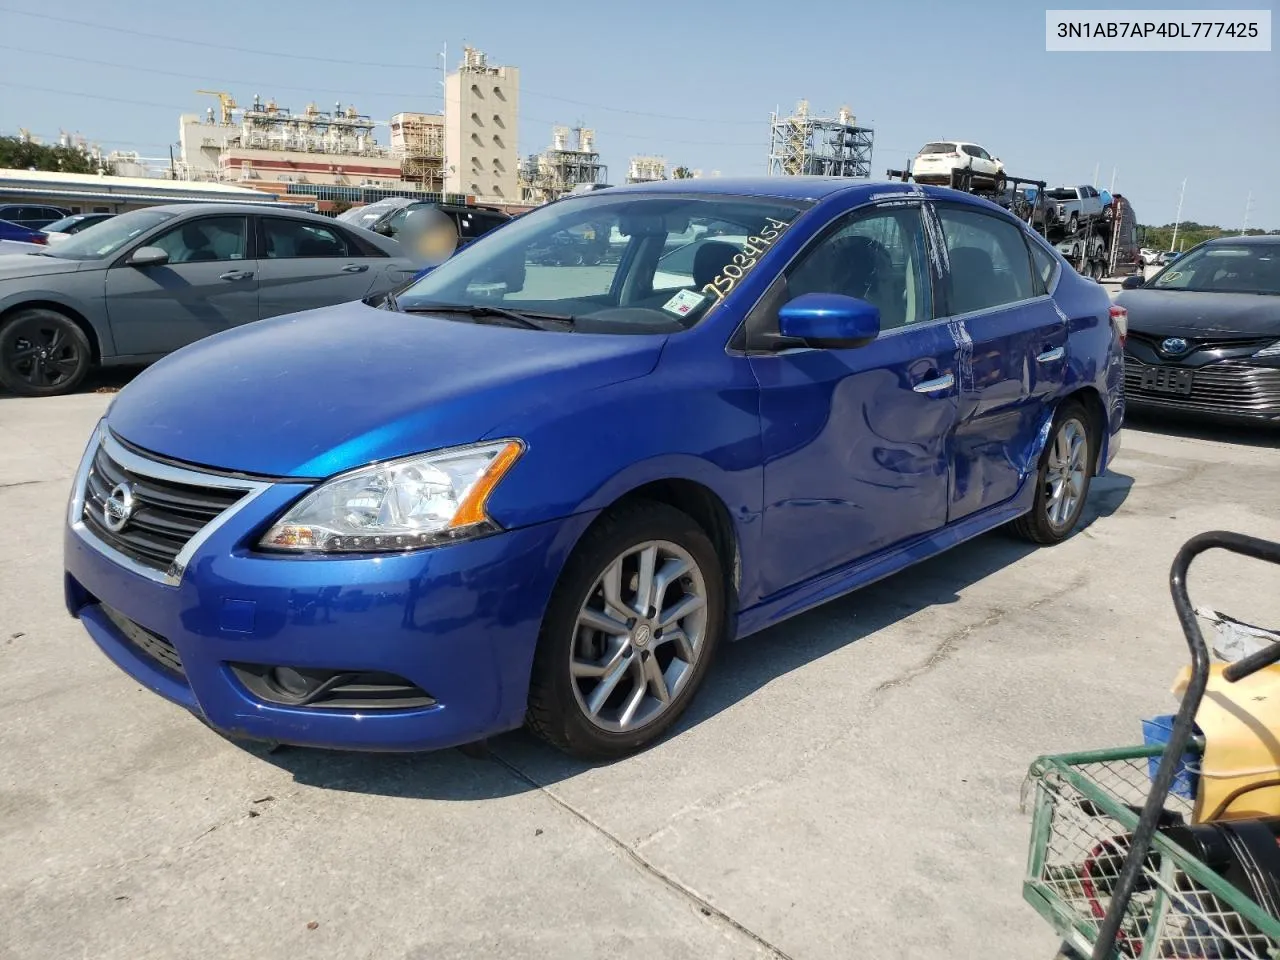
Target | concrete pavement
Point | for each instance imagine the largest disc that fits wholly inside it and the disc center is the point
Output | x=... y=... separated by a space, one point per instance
x=847 y=784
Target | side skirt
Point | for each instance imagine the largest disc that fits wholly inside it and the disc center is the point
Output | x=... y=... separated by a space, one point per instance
x=813 y=593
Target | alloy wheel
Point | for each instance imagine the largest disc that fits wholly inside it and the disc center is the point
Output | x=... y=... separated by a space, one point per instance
x=1065 y=474
x=639 y=636
x=42 y=354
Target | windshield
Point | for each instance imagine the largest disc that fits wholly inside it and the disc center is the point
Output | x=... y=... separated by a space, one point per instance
x=106 y=238
x=629 y=263
x=370 y=214
x=1225 y=268
x=58 y=226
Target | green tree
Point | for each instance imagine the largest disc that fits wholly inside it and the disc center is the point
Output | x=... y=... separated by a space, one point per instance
x=682 y=173
x=17 y=154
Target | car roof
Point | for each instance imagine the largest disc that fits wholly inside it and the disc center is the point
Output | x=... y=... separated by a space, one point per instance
x=245 y=208
x=1250 y=240
x=780 y=188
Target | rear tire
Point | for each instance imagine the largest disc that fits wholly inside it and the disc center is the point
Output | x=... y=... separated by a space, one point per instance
x=624 y=674
x=1062 y=478
x=43 y=353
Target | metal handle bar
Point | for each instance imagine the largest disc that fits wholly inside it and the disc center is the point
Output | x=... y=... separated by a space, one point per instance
x=1184 y=720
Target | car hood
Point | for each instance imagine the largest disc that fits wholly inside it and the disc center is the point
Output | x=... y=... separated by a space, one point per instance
x=15 y=266
x=1223 y=316
x=315 y=393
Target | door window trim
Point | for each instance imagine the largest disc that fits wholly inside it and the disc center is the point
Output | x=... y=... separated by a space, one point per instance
x=740 y=341
x=939 y=204
x=162 y=228
x=260 y=236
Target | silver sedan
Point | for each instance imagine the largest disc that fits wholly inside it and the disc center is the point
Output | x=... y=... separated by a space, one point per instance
x=136 y=287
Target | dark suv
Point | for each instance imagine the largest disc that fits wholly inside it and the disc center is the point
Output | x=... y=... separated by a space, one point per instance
x=33 y=216
x=386 y=217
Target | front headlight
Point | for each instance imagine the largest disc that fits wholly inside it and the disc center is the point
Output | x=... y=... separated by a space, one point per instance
x=1271 y=351
x=404 y=504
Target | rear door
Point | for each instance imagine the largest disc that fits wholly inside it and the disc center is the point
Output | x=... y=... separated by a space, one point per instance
x=304 y=265
x=209 y=285
x=1012 y=359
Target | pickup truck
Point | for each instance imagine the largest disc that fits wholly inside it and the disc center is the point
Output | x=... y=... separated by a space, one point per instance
x=1075 y=206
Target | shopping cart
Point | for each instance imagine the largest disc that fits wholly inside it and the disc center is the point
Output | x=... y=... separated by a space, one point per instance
x=1111 y=866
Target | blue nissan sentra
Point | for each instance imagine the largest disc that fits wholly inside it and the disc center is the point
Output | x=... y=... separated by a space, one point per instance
x=530 y=492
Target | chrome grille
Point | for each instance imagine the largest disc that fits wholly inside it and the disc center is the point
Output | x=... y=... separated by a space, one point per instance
x=1226 y=387
x=166 y=513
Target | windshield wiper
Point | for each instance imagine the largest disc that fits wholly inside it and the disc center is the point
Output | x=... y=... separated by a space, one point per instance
x=478 y=310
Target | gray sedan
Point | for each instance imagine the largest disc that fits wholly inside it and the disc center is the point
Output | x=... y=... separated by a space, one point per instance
x=138 y=286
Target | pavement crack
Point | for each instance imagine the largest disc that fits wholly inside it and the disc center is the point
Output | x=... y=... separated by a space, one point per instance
x=706 y=908
x=940 y=654
x=24 y=483
x=951 y=643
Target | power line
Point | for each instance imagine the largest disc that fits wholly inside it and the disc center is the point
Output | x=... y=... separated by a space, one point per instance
x=180 y=109
x=263 y=84
x=359 y=63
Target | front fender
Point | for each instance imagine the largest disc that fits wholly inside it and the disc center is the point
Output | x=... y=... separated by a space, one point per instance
x=36 y=296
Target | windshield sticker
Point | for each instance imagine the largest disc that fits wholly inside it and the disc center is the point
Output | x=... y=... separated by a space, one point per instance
x=684 y=303
x=755 y=247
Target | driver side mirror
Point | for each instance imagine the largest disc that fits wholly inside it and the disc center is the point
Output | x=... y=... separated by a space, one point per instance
x=383 y=229
x=148 y=257
x=1132 y=283
x=829 y=320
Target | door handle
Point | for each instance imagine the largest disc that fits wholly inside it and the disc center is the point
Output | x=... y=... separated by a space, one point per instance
x=943 y=382
x=355 y=268
x=1057 y=353
x=237 y=275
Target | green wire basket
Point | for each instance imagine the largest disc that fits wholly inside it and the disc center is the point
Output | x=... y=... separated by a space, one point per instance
x=1085 y=812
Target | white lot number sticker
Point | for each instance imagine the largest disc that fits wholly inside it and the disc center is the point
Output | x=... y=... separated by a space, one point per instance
x=684 y=303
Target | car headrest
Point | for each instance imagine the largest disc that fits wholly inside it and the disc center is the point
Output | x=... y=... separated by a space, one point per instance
x=710 y=259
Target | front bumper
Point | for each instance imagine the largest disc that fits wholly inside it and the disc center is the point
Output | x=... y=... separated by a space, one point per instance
x=458 y=621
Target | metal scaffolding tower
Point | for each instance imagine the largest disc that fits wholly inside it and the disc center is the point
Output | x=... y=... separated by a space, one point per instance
x=557 y=170
x=803 y=144
x=417 y=141
x=646 y=169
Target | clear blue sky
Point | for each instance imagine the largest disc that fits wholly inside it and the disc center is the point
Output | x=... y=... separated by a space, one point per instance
x=693 y=81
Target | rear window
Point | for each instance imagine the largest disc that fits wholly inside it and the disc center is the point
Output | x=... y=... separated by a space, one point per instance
x=1061 y=193
x=937 y=148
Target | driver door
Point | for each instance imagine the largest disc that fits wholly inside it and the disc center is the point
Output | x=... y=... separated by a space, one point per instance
x=856 y=440
x=208 y=285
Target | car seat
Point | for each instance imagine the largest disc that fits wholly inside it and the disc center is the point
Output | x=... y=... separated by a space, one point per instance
x=197 y=245
x=973 y=281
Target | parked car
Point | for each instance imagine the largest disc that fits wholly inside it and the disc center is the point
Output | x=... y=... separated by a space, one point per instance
x=936 y=161
x=1149 y=256
x=1168 y=257
x=1204 y=332
x=30 y=215
x=386 y=217
x=16 y=233
x=143 y=284
x=1076 y=206
x=516 y=494
x=59 y=230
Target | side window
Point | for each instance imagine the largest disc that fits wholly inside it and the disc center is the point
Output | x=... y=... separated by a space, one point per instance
x=292 y=239
x=988 y=262
x=879 y=257
x=1045 y=267
x=207 y=239
x=979 y=152
x=396 y=221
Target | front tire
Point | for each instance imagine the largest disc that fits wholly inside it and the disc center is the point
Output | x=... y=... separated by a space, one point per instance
x=629 y=634
x=43 y=353
x=1062 y=479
